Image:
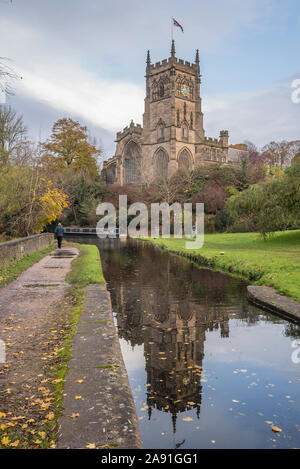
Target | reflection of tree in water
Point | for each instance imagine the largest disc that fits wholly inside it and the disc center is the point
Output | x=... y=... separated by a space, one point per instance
x=167 y=304
x=292 y=330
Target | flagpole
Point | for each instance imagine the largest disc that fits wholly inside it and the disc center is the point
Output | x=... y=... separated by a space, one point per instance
x=172 y=29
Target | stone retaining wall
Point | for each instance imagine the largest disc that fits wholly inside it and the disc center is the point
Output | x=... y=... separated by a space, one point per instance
x=14 y=250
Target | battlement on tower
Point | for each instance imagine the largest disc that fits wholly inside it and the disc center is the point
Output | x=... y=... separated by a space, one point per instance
x=183 y=65
x=129 y=129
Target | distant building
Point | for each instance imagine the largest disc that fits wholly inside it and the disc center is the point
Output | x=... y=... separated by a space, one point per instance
x=172 y=136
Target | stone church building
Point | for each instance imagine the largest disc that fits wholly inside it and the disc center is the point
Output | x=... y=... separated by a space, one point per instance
x=172 y=136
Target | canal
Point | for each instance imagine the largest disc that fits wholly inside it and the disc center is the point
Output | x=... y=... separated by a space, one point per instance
x=206 y=368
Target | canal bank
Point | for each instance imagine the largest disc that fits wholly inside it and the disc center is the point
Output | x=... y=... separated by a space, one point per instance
x=99 y=410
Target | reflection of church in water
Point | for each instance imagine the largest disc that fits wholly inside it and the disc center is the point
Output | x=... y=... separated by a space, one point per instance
x=160 y=312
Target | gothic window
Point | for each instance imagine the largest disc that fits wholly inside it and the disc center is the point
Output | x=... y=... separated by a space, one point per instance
x=111 y=174
x=185 y=132
x=161 y=90
x=192 y=123
x=185 y=160
x=161 y=161
x=132 y=163
x=178 y=118
x=178 y=88
x=154 y=91
x=160 y=131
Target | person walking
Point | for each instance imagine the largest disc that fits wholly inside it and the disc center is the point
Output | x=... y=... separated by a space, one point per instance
x=59 y=232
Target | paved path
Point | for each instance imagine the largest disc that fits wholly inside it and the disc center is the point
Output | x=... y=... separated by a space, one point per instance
x=267 y=298
x=34 y=312
x=98 y=405
x=30 y=300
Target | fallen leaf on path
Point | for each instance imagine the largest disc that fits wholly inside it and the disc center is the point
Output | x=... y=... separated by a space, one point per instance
x=5 y=441
x=91 y=446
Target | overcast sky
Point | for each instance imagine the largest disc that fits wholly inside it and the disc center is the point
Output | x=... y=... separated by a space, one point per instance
x=86 y=59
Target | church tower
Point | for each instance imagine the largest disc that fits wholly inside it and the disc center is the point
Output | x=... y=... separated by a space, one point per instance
x=173 y=119
x=172 y=136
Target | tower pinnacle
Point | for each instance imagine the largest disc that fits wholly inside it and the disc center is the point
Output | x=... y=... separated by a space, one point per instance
x=173 y=48
x=148 y=61
x=197 y=62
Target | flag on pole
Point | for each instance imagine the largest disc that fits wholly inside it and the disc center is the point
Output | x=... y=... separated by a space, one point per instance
x=177 y=24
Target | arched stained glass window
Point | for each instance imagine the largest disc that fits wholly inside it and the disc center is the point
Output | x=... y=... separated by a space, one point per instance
x=161 y=161
x=132 y=163
x=185 y=160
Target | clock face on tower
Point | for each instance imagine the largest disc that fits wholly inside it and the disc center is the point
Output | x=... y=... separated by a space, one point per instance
x=184 y=90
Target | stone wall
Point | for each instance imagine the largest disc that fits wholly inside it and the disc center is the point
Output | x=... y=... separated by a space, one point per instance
x=14 y=250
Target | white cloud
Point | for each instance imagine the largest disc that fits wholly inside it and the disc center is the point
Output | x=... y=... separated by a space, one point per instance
x=105 y=103
x=259 y=116
x=74 y=57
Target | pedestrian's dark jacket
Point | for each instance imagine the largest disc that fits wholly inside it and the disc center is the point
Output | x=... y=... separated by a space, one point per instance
x=59 y=231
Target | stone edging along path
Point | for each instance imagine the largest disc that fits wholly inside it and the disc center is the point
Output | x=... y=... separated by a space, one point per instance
x=99 y=410
x=268 y=299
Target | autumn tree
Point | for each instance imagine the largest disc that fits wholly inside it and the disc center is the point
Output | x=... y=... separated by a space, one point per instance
x=70 y=148
x=280 y=154
x=28 y=202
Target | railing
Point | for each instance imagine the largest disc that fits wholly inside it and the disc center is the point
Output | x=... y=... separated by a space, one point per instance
x=69 y=230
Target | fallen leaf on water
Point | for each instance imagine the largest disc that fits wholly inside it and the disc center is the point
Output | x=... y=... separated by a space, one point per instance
x=79 y=381
x=276 y=429
x=74 y=416
x=91 y=446
x=78 y=397
x=187 y=419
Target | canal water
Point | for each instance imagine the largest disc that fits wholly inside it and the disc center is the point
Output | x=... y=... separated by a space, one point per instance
x=206 y=368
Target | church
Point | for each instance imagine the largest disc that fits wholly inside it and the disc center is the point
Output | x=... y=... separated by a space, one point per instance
x=172 y=136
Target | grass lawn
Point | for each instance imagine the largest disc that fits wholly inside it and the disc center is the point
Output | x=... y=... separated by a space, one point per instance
x=274 y=262
x=86 y=268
